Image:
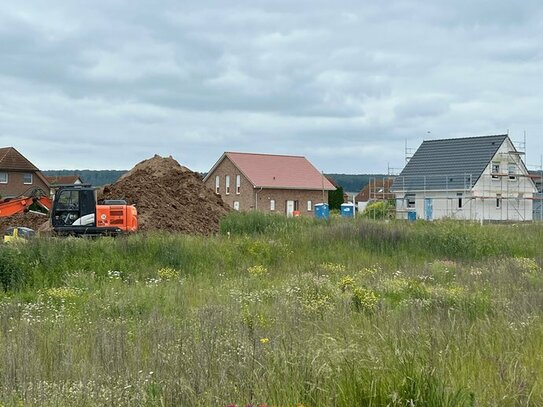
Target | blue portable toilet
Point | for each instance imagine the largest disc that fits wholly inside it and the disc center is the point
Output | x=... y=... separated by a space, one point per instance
x=322 y=211
x=347 y=210
x=411 y=216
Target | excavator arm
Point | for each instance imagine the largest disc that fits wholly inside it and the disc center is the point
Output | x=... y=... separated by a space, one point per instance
x=23 y=203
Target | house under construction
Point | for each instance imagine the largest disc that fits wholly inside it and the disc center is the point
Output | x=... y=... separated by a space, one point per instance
x=474 y=178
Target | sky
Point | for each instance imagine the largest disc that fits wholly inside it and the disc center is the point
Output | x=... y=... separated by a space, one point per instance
x=108 y=83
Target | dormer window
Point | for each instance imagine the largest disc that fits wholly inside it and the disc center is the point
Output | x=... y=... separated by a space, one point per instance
x=495 y=170
x=512 y=172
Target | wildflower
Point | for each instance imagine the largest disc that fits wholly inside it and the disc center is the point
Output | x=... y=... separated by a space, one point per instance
x=333 y=268
x=257 y=271
x=264 y=341
x=527 y=265
x=168 y=273
x=345 y=283
x=364 y=299
x=114 y=274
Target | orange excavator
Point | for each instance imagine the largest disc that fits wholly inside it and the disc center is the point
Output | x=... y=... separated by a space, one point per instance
x=74 y=211
x=12 y=206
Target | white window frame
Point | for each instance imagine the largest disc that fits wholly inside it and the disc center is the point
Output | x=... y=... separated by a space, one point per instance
x=512 y=174
x=236 y=205
x=217 y=185
x=498 y=201
x=238 y=184
x=460 y=202
x=410 y=201
x=495 y=169
x=227 y=184
x=4 y=180
x=31 y=178
x=309 y=206
x=272 y=204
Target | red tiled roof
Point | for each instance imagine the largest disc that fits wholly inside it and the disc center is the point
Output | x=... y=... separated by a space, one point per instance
x=376 y=189
x=62 y=179
x=11 y=159
x=279 y=171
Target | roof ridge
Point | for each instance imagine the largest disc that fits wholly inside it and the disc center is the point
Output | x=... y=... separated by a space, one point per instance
x=466 y=138
x=265 y=154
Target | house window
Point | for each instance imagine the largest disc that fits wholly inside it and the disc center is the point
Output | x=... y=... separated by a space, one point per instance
x=410 y=200
x=238 y=184
x=498 y=201
x=3 y=177
x=227 y=182
x=309 y=206
x=460 y=200
x=217 y=184
x=512 y=171
x=27 y=178
x=236 y=205
x=495 y=170
x=272 y=205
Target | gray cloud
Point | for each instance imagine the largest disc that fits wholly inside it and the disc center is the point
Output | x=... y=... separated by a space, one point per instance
x=344 y=83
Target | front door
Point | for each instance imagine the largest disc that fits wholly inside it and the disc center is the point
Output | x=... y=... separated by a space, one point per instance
x=428 y=209
x=290 y=208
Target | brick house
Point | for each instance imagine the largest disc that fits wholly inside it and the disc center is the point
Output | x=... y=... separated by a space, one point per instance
x=56 y=180
x=18 y=175
x=268 y=183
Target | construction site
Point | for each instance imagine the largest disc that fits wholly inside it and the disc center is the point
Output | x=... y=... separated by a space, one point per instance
x=500 y=187
x=168 y=196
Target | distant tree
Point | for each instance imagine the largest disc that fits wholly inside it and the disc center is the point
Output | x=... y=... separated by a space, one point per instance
x=93 y=177
x=335 y=198
x=353 y=182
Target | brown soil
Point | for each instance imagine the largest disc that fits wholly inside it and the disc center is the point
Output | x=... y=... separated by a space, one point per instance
x=28 y=220
x=168 y=197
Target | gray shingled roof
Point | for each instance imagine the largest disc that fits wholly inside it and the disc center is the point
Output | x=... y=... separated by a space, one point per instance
x=454 y=164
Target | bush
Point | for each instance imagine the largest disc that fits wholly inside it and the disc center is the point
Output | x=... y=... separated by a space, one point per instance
x=379 y=210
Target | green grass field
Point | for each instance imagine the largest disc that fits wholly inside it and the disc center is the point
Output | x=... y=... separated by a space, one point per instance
x=277 y=312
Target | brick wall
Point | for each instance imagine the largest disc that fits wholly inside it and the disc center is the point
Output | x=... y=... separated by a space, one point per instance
x=246 y=197
x=281 y=196
x=248 y=193
x=16 y=186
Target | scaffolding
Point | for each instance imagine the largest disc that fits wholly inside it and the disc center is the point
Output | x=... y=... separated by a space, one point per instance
x=513 y=193
x=494 y=196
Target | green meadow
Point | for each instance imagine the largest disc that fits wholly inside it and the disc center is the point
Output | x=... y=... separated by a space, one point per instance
x=277 y=312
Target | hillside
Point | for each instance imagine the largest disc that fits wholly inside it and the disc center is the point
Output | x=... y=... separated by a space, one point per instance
x=349 y=182
x=95 y=177
x=353 y=182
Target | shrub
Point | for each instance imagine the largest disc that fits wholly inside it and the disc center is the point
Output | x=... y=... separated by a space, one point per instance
x=379 y=210
x=364 y=300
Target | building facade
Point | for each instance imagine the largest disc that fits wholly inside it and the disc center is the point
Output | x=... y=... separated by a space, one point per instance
x=268 y=183
x=475 y=178
x=18 y=175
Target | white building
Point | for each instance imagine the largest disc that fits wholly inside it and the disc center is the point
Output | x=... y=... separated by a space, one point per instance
x=474 y=178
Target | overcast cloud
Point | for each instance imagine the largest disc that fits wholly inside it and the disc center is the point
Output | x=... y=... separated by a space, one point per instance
x=107 y=83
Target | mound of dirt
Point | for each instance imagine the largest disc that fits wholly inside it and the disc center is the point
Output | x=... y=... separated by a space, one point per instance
x=27 y=220
x=168 y=197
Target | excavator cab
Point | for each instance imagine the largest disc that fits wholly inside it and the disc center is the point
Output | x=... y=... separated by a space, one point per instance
x=75 y=212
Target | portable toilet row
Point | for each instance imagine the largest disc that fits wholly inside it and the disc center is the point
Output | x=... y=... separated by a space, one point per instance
x=322 y=210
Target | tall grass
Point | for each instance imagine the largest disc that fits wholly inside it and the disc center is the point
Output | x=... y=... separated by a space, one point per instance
x=276 y=311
